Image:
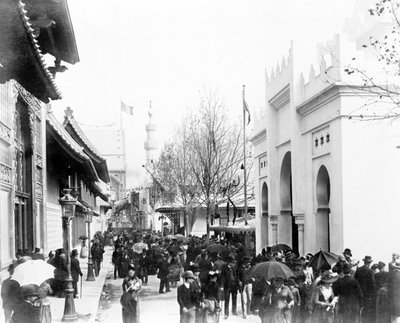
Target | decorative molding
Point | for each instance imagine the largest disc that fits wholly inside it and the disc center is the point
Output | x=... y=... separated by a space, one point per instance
x=299 y=218
x=5 y=173
x=29 y=99
x=259 y=137
x=281 y=99
x=39 y=191
x=327 y=95
x=39 y=161
x=32 y=132
x=5 y=133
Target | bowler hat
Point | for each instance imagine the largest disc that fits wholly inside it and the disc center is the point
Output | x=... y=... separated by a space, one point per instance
x=381 y=265
x=367 y=259
x=347 y=252
x=188 y=274
x=29 y=290
x=195 y=268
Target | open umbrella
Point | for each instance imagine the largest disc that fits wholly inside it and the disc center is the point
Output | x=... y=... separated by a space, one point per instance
x=280 y=247
x=321 y=259
x=33 y=272
x=216 y=248
x=170 y=237
x=271 y=269
x=139 y=247
x=181 y=237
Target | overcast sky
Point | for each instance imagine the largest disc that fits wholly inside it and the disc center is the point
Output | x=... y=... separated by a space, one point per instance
x=166 y=51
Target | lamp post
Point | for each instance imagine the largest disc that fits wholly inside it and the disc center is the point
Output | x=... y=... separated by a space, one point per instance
x=90 y=274
x=68 y=203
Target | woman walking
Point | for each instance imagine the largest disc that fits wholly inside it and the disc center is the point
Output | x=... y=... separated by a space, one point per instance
x=324 y=300
x=131 y=286
x=276 y=303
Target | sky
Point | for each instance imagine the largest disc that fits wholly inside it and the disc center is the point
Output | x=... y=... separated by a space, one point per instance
x=167 y=51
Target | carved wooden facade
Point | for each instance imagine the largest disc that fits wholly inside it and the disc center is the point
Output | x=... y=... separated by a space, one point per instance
x=21 y=167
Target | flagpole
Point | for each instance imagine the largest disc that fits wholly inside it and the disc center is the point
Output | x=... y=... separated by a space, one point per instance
x=244 y=159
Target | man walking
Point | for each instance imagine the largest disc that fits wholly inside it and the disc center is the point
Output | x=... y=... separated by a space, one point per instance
x=350 y=296
x=366 y=278
x=246 y=286
x=186 y=297
x=97 y=256
x=163 y=270
x=230 y=282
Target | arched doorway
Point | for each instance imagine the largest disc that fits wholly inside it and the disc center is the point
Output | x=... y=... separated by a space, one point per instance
x=323 y=191
x=287 y=227
x=264 y=199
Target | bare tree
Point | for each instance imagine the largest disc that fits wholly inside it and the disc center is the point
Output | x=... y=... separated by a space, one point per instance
x=215 y=147
x=384 y=89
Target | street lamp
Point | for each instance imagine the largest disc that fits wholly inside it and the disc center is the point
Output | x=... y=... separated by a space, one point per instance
x=68 y=203
x=90 y=274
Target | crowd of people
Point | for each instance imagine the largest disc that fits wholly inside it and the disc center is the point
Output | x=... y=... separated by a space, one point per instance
x=212 y=278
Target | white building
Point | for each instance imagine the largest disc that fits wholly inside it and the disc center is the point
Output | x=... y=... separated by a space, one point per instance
x=326 y=179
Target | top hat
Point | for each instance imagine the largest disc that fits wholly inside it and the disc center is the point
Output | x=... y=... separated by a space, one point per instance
x=367 y=259
x=347 y=252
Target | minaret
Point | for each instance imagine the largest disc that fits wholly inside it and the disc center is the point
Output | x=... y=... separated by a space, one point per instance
x=150 y=145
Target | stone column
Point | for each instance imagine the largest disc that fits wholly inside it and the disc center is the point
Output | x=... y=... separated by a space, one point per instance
x=285 y=228
x=299 y=219
x=274 y=230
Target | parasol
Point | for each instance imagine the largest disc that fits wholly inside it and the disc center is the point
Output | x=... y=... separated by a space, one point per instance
x=271 y=269
x=322 y=259
x=33 y=272
x=139 y=247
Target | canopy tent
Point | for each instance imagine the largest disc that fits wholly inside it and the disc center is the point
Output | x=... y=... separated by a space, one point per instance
x=238 y=227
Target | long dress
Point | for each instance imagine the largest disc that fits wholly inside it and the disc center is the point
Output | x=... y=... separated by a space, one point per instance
x=130 y=299
x=274 y=305
x=323 y=313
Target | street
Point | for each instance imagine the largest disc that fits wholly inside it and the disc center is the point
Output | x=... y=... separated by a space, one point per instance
x=154 y=307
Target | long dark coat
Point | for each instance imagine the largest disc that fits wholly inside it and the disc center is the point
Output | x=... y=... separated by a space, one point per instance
x=75 y=269
x=163 y=269
x=393 y=288
x=350 y=298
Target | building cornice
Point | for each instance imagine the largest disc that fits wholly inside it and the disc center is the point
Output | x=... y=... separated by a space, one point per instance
x=281 y=99
x=259 y=137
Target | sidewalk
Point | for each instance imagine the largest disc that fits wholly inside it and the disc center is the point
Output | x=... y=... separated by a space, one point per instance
x=86 y=307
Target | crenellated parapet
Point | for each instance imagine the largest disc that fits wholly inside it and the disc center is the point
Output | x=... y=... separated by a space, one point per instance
x=279 y=77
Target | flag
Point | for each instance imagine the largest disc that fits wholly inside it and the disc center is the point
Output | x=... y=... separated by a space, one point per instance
x=126 y=108
x=246 y=108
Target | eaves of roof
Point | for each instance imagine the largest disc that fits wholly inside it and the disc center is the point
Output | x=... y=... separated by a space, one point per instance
x=69 y=144
x=21 y=54
x=76 y=132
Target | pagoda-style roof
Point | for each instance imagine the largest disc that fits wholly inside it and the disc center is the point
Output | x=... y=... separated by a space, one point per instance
x=52 y=24
x=70 y=146
x=76 y=132
x=21 y=55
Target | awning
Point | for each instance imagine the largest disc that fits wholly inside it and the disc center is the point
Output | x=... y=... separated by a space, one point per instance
x=238 y=227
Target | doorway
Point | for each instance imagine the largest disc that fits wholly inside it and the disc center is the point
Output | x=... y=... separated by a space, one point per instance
x=287 y=227
x=322 y=225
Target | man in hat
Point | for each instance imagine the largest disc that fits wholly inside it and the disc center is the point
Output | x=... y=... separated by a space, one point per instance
x=187 y=299
x=347 y=254
x=366 y=278
x=28 y=308
x=37 y=254
x=76 y=271
x=381 y=276
x=230 y=282
x=350 y=296
x=9 y=295
x=163 y=270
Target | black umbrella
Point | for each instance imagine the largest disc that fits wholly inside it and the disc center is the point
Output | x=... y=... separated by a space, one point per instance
x=216 y=248
x=280 y=247
x=271 y=269
x=323 y=259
